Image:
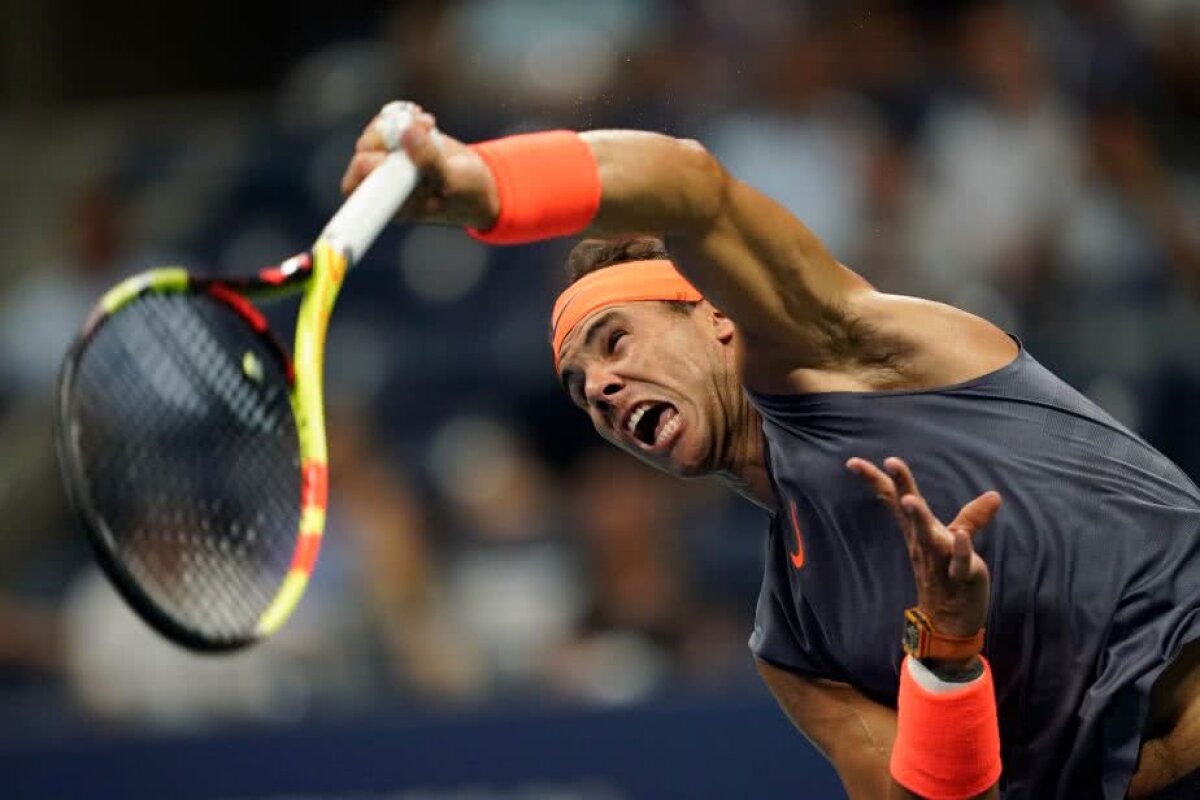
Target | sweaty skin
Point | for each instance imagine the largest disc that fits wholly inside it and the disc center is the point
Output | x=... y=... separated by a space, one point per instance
x=791 y=319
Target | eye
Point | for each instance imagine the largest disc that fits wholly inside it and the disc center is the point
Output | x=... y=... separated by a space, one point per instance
x=613 y=338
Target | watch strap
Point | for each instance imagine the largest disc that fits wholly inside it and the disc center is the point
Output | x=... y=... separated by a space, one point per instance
x=922 y=640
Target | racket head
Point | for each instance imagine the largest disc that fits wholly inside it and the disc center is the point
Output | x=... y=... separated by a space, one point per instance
x=180 y=444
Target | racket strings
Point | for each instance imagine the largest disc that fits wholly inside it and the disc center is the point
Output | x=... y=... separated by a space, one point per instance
x=176 y=378
x=189 y=459
x=164 y=533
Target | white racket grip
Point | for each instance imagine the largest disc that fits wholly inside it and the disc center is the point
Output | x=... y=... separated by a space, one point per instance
x=363 y=216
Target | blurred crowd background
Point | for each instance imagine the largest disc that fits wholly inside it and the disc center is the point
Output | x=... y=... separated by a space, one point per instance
x=1035 y=162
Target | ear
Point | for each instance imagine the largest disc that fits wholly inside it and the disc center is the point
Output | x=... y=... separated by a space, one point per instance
x=722 y=325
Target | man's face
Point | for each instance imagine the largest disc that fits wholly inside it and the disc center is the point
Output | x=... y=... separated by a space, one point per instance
x=648 y=377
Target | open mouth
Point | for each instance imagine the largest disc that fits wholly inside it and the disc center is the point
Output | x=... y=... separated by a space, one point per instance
x=653 y=424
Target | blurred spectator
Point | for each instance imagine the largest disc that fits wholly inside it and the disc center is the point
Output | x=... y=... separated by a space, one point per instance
x=997 y=168
x=512 y=578
x=43 y=312
x=646 y=628
x=387 y=530
x=31 y=638
x=1175 y=80
x=38 y=319
x=625 y=514
x=122 y=673
x=534 y=57
x=801 y=140
x=1125 y=250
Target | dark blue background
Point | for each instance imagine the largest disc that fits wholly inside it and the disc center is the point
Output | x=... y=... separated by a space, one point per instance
x=735 y=747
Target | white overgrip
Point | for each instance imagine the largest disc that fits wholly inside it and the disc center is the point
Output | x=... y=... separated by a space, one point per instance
x=357 y=224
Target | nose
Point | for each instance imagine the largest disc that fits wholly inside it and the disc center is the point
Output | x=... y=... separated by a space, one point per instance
x=599 y=388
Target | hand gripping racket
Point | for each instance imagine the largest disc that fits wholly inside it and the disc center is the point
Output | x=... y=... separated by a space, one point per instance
x=193 y=448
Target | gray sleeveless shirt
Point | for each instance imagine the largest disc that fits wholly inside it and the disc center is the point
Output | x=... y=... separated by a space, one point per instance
x=1094 y=558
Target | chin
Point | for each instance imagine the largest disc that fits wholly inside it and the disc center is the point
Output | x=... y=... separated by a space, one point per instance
x=690 y=471
x=693 y=467
x=691 y=457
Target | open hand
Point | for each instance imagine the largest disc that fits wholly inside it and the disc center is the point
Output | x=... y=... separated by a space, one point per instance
x=952 y=580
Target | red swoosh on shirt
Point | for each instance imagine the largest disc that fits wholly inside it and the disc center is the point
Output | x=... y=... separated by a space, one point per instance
x=798 y=556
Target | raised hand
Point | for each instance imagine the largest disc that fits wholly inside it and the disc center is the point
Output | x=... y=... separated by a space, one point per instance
x=456 y=187
x=952 y=580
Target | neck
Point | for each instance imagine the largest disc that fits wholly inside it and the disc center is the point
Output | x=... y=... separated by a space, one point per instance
x=743 y=462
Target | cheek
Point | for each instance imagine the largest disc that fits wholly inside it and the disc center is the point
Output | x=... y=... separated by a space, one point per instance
x=601 y=428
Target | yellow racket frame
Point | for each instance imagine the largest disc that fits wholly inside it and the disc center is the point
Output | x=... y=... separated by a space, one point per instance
x=308 y=405
x=319 y=274
x=321 y=283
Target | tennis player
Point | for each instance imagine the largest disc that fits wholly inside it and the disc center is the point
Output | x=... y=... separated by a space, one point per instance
x=749 y=352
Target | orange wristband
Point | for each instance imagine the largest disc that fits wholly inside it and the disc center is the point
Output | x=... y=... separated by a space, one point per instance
x=947 y=743
x=549 y=186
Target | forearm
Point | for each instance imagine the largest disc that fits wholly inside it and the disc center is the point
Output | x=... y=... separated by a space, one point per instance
x=861 y=760
x=865 y=775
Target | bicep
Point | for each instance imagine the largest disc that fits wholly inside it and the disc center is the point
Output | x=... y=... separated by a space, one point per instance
x=747 y=254
x=771 y=274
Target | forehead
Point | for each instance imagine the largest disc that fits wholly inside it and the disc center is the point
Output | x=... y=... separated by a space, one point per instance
x=576 y=345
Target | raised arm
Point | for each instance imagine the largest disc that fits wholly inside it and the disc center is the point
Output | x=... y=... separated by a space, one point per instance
x=748 y=255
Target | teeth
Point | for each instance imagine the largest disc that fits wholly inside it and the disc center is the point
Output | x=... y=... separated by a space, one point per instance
x=668 y=430
x=636 y=416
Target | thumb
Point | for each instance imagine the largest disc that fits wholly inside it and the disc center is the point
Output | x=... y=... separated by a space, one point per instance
x=976 y=514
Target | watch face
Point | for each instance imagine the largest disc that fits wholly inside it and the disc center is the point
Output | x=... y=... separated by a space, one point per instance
x=911 y=639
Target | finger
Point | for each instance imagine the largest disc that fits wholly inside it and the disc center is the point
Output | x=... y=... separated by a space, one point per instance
x=421 y=145
x=929 y=532
x=905 y=482
x=876 y=478
x=976 y=514
x=883 y=486
x=360 y=167
x=960 y=558
x=370 y=139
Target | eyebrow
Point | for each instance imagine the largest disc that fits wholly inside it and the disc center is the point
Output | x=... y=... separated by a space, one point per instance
x=589 y=336
x=596 y=325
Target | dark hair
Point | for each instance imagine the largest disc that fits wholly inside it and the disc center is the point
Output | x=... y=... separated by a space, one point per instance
x=595 y=254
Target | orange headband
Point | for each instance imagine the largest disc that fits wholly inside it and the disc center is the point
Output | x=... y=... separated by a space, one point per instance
x=655 y=279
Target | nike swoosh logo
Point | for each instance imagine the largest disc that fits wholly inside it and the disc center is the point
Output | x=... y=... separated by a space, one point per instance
x=798 y=556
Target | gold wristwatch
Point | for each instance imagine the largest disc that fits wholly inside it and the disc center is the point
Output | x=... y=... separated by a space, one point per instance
x=922 y=640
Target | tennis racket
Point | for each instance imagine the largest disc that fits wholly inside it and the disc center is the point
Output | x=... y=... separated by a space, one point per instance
x=192 y=446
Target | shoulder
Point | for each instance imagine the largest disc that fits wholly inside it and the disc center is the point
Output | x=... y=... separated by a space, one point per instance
x=874 y=341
